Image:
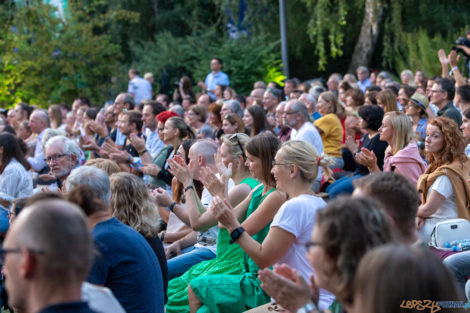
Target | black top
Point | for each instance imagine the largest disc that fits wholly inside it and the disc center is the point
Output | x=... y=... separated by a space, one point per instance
x=157 y=247
x=451 y=112
x=69 y=307
x=130 y=148
x=375 y=145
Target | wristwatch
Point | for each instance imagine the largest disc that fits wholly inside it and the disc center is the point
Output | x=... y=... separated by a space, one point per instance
x=236 y=233
x=309 y=307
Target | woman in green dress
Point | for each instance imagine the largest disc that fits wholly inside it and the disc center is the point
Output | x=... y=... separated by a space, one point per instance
x=234 y=292
x=230 y=258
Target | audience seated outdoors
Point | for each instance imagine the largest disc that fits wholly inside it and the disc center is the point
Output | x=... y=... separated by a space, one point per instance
x=300 y=196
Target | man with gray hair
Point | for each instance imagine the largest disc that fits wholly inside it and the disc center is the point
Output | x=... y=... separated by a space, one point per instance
x=309 y=101
x=126 y=263
x=47 y=255
x=231 y=106
x=333 y=82
x=62 y=155
x=363 y=80
x=270 y=102
x=39 y=124
x=296 y=117
x=201 y=155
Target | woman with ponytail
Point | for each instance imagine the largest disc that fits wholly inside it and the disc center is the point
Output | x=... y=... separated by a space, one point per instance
x=295 y=167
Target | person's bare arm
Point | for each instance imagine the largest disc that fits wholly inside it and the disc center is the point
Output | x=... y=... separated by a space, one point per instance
x=274 y=246
x=444 y=63
x=454 y=61
x=175 y=248
x=265 y=212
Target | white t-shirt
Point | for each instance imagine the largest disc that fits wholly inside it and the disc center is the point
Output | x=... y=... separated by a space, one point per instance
x=443 y=186
x=100 y=299
x=447 y=211
x=297 y=216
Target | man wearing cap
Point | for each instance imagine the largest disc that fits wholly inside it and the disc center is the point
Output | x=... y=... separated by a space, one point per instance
x=416 y=110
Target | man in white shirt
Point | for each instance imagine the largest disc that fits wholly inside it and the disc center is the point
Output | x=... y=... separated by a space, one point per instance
x=139 y=87
x=39 y=123
x=296 y=117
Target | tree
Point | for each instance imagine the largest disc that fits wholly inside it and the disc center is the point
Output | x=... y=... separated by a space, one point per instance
x=365 y=45
x=50 y=60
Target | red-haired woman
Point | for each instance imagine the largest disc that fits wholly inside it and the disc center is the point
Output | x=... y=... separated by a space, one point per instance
x=444 y=186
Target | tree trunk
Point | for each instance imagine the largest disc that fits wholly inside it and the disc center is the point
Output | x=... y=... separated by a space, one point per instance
x=365 y=45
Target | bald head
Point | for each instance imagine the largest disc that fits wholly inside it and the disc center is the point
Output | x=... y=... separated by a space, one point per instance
x=257 y=93
x=57 y=233
x=206 y=149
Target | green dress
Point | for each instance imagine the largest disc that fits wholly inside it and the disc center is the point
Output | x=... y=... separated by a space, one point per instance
x=229 y=260
x=235 y=292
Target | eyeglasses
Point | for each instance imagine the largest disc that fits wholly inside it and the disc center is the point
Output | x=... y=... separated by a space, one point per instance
x=3 y=252
x=312 y=244
x=234 y=136
x=288 y=113
x=54 y=157
x=432 y=91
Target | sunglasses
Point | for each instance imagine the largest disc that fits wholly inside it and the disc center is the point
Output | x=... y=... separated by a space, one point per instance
x=235 y=137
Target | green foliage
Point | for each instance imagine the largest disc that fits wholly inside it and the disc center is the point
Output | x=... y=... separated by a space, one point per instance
x=415 y=30
x=49 y=60
x=246 y=60
x=419 y=51
x=328 y=20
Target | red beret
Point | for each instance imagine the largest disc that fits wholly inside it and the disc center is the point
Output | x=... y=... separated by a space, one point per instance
x=162 y=117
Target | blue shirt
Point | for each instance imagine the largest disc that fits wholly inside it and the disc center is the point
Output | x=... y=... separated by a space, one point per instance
x=140 y=88
x=421 y=128
x=153 y=144
x=127 y=265
x=363 y=85
x=315 y=115
x=213 y=80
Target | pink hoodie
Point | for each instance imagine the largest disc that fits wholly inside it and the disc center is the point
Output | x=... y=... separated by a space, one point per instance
x=406 y=162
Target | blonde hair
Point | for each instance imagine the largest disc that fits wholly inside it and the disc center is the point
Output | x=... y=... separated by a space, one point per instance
x=233 y=143
x=304 y=155
x=132 y=205
x=109 y=166
x=402 y=130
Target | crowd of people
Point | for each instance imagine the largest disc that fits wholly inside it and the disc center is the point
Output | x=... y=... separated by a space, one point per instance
x=309 y=197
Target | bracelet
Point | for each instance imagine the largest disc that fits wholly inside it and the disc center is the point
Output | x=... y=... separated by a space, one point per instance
x=189 y=187
x=162 y=237
x=172 y=206
x=142 y=152
x=452 y=70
